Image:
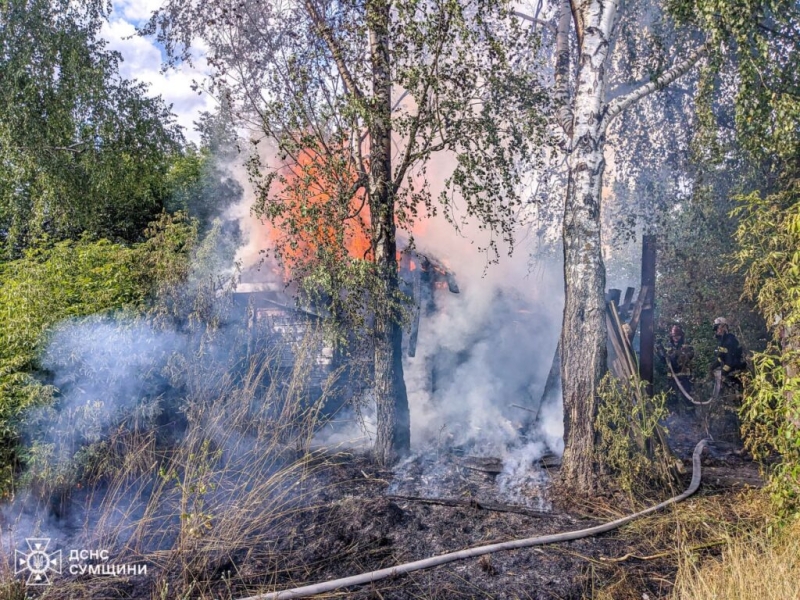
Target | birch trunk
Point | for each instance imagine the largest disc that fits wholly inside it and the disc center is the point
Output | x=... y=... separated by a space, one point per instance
x=583 y=337
x=393 y=435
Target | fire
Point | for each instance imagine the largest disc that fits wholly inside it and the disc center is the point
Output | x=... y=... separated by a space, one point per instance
x=318 y=213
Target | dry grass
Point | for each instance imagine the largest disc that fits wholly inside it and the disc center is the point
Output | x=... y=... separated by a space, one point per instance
x=721 y=547
x=222 y=495
x=699 y=520
x=653 y=549
x=766 y=567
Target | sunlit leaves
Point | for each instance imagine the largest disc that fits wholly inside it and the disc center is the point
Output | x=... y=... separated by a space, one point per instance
x=80 y=148
x=769 y=238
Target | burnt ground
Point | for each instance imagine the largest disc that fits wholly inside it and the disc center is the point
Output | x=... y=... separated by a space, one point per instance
x=353 y=521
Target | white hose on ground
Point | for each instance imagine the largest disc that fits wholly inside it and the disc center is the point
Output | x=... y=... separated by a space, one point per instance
x=686 y=394
x=427 y=563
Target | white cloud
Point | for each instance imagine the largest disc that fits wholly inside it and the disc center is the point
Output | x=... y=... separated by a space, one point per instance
x=143 y=60
x=136 y=10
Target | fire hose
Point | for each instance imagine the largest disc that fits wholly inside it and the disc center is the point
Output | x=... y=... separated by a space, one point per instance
x=714 y=395
x=435 y=561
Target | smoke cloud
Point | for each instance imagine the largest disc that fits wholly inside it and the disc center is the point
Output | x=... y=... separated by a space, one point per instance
x=481 y=351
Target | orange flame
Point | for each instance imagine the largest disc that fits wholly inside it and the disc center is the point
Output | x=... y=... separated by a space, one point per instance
x=311 y=221
x=321 y=214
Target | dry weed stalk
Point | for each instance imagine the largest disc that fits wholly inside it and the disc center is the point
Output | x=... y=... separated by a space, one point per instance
x=751 y=566
x=228 y=487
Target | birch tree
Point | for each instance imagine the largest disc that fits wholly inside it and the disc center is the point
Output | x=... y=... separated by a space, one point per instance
x=596 y=80
x=81 y=149
x=356 y=97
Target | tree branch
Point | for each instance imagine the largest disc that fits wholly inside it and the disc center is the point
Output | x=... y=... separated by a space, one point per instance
x=75 y=148
x=621 y=103
x=534 y=20
x=408 y=157
x=326 y=34
x=562 y=72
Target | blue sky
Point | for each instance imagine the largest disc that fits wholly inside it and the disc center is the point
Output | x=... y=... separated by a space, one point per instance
x=142 y=61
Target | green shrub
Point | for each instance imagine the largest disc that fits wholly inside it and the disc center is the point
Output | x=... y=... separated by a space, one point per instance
x=47 y=285
x=769 y=241
x=631 y=444
x=56 y=282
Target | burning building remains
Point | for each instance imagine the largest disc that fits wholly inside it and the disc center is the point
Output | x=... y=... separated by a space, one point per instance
x=477 y=347
x=275 y=318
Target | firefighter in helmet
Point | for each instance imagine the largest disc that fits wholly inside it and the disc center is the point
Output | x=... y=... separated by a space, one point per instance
x=728 y=355
x=678 y=357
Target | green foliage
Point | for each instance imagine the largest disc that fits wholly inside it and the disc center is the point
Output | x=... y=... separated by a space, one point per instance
x=199 y=181
x=697 y=279
x=470 y=90
x=81 y=150
x=187 y=271
x=763 y=39
x=70 y=280
x=164 y=256
x=630 y=446
x=50 y=283
x=769 y=239
x=61 y=281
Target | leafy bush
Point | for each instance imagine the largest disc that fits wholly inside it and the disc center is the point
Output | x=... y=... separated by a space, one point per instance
x=769 y=239
x=67 y=281
x=632 y=445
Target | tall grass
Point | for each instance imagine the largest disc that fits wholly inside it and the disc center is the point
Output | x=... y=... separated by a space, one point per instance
x=751 y=567
x=224 y=492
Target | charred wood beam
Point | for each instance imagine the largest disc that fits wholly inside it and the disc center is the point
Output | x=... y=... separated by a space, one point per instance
x=627 y=303
x=636 y=314
x=417 y=299
x=494 y=465
x=647 y=335
x=613 y=295
x=488 y=506
x=451 y=283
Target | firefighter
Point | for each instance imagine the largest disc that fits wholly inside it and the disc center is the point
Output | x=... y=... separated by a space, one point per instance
x=728 y=355
x=680 y=355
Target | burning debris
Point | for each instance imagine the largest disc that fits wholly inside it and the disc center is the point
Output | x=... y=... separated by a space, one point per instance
x=501 y=416
x=273 y=315
x=422 y=277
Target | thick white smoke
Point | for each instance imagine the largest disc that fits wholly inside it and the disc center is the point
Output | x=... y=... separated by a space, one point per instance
x=481 y=352
x=485 y=349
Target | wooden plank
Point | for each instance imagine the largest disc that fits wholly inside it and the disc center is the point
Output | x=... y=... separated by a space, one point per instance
x=628 y=364
x=633 y=324
x=621 y=362
x=647 y=334
x=494 y=466
x=627 y=303
x=615 y=363
x=613 y=295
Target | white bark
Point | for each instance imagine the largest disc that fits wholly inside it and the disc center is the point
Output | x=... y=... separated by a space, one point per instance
x=583 y=340
x=618 y=105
